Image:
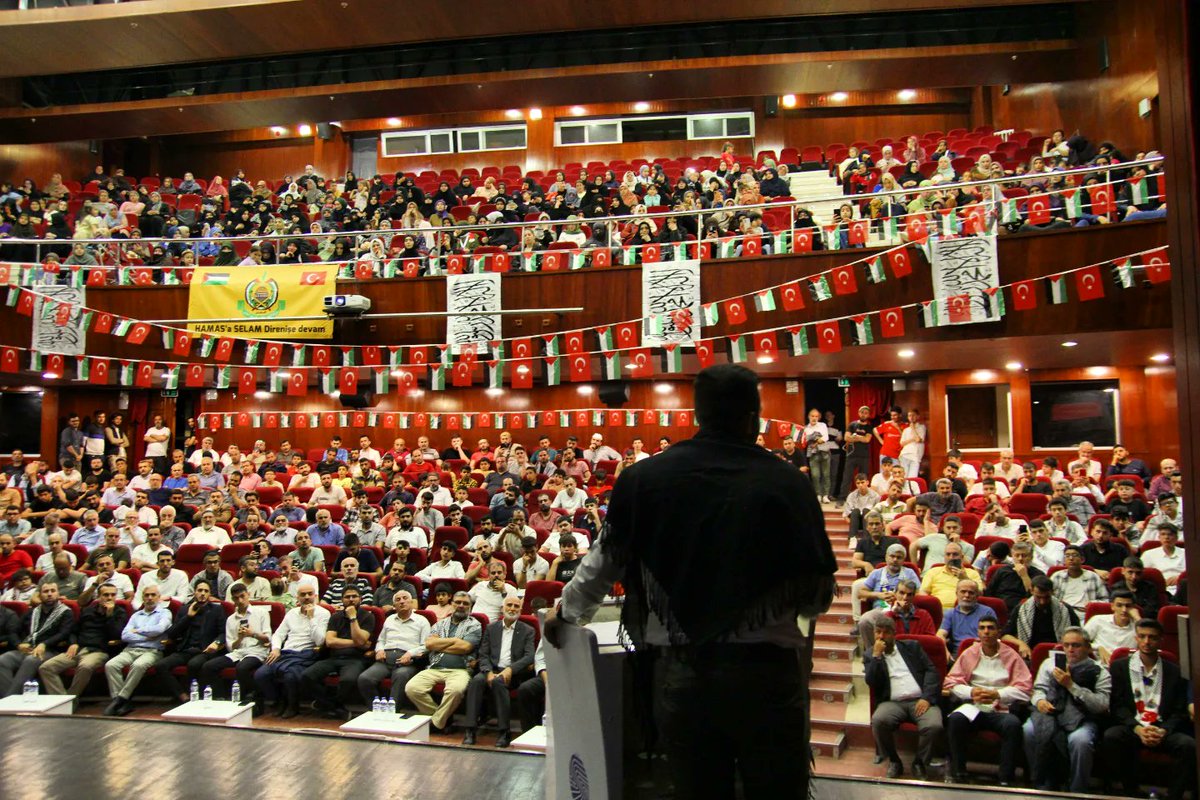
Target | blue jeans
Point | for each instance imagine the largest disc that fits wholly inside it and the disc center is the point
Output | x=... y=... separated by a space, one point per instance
x=818 y=471
x=1078 y=746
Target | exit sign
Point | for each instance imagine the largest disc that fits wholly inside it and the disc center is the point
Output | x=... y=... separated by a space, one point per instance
x=169 y=393
x=843 y=383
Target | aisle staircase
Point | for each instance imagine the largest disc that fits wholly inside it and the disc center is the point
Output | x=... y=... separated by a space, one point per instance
x=813 y=184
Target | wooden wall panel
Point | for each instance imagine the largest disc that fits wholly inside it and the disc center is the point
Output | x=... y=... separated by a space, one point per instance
x=261 y=158
x=40 y=161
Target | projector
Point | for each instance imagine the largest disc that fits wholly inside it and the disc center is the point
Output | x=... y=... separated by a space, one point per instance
x=347 y=305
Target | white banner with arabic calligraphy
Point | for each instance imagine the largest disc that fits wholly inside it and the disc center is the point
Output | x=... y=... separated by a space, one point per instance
x=69 y=338
x=670 y=302
x=968 y=268
x=473 y=293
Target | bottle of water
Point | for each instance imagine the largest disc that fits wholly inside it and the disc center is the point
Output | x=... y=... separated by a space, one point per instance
x=31 y=688
x=208 y=694
x=376 y=705
x=235 y=693
x=391 y=706
x=194 y=694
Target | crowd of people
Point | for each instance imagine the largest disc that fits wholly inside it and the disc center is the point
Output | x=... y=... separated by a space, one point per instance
x=390 y=220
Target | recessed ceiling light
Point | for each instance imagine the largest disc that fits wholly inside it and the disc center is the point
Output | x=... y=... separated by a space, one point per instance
x=578 y=111
x=907 y=94
x=766 y=359
x=494 y=392
x=586 y=391
x=788 y=100
x=1160 y=357
x=1013 y=366
x=983 y=374
x=535 y=113
x=513 y=113
x=305 y=130
x=395 y=122
x=1070 y=344
x=278 y=130
x=641 y=105
x=1097 y=372
x=663 y=388
x=838 y=97
x=262 y=395
x=50 y=375
x=907 y=353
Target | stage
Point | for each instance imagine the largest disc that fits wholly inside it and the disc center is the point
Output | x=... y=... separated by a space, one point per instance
x=59 y=757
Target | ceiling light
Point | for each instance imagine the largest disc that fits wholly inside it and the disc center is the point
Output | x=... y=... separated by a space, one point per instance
x=578 y=111
x=1097 y=372
x=535 y=113
x=50 y=375
x=907 y=94
x=513 y=113
x=766 y=359
x=586 y=391
x=907 y=353
x=663 y=388
x=261 y=395
x=1013 y=366
x=494 y=392
x=278 y=130
x=395 y=122
x=838 y=97
x=788 y=100
x=305 y=130
x=983 y=374
x=641 y=105
x=1160 y=357
x=1070 y=344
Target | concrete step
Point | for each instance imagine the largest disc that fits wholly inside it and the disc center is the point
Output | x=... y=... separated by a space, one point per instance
x=831 y=689
x=827 y=743
x=826 y=650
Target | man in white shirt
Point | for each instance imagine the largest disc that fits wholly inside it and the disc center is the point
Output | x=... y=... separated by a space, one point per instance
x=56 y=542
x=106 y=572
x=141 y=512
x=1168 y=559
x=328 y=493
x=399 y=651
x=1092 y=468
x=445 y=567
x=599 y=451
x=365 y=450
x=912 y=444
x=1009 y=469
x=908 y=689
x=1060 y=525
x=489 y=595
x=570 y=499
x=563 y=528
x=304 y=478
x=295 y=579
x=1047 y=553
x=247 y=635
x=417 y=538
x=208 y=533
x=156 y=438
x=172 y=583
x=293 y=649
x=205 y=450
x=145 y=555
x=141 y=481
x=966 y=472
x=1110 y=631
x=530 y=566
x=431 y=482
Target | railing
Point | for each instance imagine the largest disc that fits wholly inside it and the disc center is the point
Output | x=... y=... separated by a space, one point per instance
x=785 y=234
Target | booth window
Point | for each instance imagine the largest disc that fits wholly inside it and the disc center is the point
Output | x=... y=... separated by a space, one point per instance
x=1066 y=413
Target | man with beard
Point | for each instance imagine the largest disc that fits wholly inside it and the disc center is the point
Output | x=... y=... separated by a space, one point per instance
x=347 y=641
x=505 y=662
x=293 y=650
x=450 y=645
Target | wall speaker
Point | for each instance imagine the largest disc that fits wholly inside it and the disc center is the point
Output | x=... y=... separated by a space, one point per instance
x=364 y=398
x=94 y=146
x=614 y=394
x=772 y=105
x=1105 y=60
x=324 y=131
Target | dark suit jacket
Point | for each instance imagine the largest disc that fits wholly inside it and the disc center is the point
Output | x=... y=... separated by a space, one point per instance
x=922 y=669
x=198 y=632
x=1173 y=714
x=522 y=647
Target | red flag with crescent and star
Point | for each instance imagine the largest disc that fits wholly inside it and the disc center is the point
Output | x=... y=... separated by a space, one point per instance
x=829 y=337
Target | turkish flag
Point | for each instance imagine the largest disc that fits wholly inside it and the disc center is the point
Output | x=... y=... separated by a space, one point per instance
x=329 y=420
x=298 y=383
x=580 y=367
x=958 y=308
x=640 y=365
x=138 y=333
x=549 y=419
x=1158 y=266
x=500 y=262
x=183 y=343
x=272 y=353
x=418 y=357
x=314 y=278
x=390 y=421
x=793 y=296
x=321 y=356
x=460 y=375
x=516 y=421
x=143 y=277
x=901 y=261
x=224 y=349
x=359 y=419
x=364 y=270
x=1024 y=295
x=522 y=348
x=301 y=420
x=455 y=264
x=185 y=275
x=469 y=354
x=522 y=374
x=859 y=230
x=829 y=337
x=581 y=419
x=735 y=310
x=602 y=257
x=485 y=420
x=649 y=417
x=97 y=277
x=752 y=246
x=411 y=267
x=143 y=377
x=371 y=356
x=765 y=344
x=891 y=322
x=615 y=419
x=453 y=422
x=55 y=364
x=573 y=341
x=1102 y=200
x=214 y=422
x=704 y=353
x=783 y=429
x=1088 y=283
x=705 y=250
x=420 y=420
x=348 y=381
x=25 y=303
x=242 y=420
x=975 y=222
x=194 y=376
x=247 y=381
x=271 y=420
x=406 y=379
x=683 y=419
x=552 y=261
x=10 y=360
x=651 y=253
x=802 y=240
x=917 y=228
x=626 y=334
x=103 y=323
x=843 y=280
x=1038 y=209
x=62 y=314
x=99 y=372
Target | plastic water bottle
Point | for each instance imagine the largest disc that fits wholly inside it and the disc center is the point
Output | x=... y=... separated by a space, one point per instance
x=31 y=688
x=235 y=693
x=376 y=706
x=208 y=694
x=391 y=706
x=194 y=694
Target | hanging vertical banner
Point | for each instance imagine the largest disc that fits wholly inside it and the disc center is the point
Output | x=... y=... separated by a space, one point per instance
x=253 y=304
x=58 y=324
x=473 y=293
x=966 y=267
x=670 y=302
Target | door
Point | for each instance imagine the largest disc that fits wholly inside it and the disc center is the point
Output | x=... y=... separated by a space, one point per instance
x=364 y=156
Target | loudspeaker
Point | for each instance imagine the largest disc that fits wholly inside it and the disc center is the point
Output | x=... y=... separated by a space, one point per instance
x=1105 y=60
x=364 y=398
x=614 y=394
x=772 y=105
x=94 y=146
x=324 y=131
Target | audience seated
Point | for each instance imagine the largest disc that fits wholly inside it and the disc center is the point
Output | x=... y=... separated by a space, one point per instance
x=1040 y=619
x=348 y=640
x=906 y=687
x=961 y=621
x=505 y=662
x=451 y=647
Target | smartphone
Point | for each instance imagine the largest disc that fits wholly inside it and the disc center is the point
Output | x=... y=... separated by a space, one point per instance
x=1060 y=660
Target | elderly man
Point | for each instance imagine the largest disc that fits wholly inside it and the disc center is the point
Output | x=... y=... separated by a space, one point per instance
x=144 y=637
x=348 y=579
x=983 y=685
x=942 y=582
x=907 y=688
x=89 y=534
x=325 y=530
x=449 y=645
x=1149 y=704
x=962 y=621
x=112 y=547
x=207 y=533
x=1013 y=582
x=943 y=501
x=95 y=639
x=879 y=589
x=1070 y=699
x=505 y=662
x=45 y=632
x=293 y=650
x=488 y=596
x=347 y=640
x=70 y=581
x=106 y=572
x=399 y=651
x=1040 y=619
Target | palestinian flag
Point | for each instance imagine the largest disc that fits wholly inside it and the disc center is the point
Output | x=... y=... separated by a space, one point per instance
x=171 y=378
x=127 y=373
x=737 y=349
x=710 y=313
x=495 y=374
x=348 y=356
x=207 y=343
x=252 y=352
x=437 y=377
x=995 y=301
x=728 y=247
x=664 y=419
x=875 y=271
x=379 y=380
x=862 y=330
x=629 y=255
x=782 y=242
x=1058 y=289
x=606 y=336
x=215 y=279
x=820 y=288
x=553 y=370
x=552 y=348
x=1139 y=190
x=122 y=326
x=612 y=364
x=299 y=355
x=277 y=381
x=764 y=300
x=1122 y=271
x=679 y=251
x=1009 y=213
x=224 y=377
x=578 y=259
x=798 y=340
x=1073 y=202
x=329 y=381
x=83 y=368
x=672 y=358
x=931 y=314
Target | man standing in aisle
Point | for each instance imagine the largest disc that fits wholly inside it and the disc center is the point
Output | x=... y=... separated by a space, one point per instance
x=734 y=669
x=858 y=452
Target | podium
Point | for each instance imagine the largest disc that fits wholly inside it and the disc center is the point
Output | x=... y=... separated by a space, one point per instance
x=583 y=735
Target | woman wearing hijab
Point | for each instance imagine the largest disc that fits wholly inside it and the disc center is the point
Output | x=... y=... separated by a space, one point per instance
x=58 y=230
x=773 y=185
x=911 y=176
x=543 y=234
x=572 y=233
x=217 y=187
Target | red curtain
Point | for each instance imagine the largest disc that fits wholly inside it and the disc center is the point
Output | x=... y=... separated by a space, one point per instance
x=136 y=425
x=875 y=393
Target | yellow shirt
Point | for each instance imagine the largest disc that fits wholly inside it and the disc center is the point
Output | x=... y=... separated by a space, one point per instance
x=944 y=586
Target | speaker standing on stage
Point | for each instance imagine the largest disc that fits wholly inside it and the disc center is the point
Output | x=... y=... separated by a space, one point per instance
x=734 y=672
